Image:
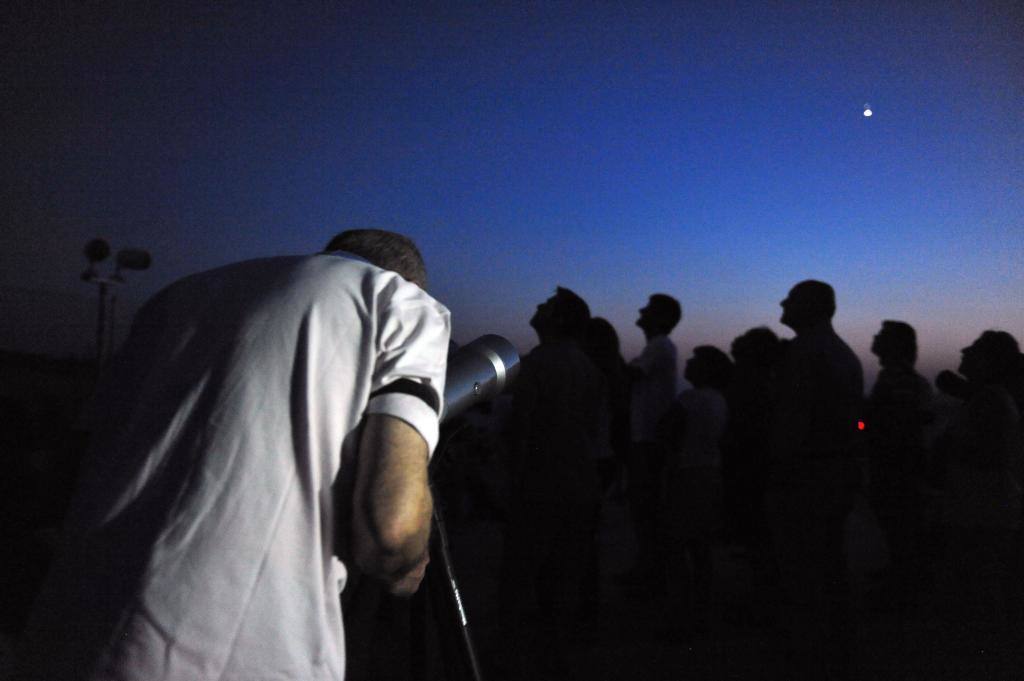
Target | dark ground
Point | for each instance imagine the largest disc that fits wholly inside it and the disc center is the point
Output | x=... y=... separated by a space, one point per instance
x=624 y=641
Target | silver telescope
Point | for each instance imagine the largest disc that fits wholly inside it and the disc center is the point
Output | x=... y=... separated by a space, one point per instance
x=478 y=371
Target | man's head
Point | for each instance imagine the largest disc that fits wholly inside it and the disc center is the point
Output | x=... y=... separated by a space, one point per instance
x=660 y=315
x=991 y=358
x=564 y=314
x=758 y=347
x=387 y=250
x=809 y=303
x=709 y=368
x=895 y=344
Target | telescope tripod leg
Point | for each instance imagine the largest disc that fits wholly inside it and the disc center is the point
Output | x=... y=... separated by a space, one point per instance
x=451 y=590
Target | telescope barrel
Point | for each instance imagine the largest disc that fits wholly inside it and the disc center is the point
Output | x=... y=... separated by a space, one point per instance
x=477 y=372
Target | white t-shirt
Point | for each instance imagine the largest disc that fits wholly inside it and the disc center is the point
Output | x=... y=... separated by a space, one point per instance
x=201 y=544
x=652 y=394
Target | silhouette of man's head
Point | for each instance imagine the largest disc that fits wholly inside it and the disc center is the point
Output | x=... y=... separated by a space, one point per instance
x=563 y=315
x=709 y=368
x=809 y=303
x=660 y=315
x=387 y=250
x=990 y=358
x=895 y=344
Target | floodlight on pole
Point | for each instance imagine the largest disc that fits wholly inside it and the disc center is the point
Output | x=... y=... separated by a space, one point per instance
x=97 y=250
x=131 y=259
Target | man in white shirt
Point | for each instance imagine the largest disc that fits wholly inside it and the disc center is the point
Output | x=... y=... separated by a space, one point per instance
x=264 y=419
x=653 y=379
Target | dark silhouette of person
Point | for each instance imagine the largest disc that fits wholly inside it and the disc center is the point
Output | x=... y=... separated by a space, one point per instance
x=981 y=450
x=691 y=506
x=601 y=343
x=1003 y=351
x=813 y=480
x=653 y=390
x=558 y=404
x=895 y=419
x=25 y=559
x=958 y=387
x=745 y=446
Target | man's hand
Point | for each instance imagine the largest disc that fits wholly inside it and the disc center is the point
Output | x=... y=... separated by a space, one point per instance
x=392 y=503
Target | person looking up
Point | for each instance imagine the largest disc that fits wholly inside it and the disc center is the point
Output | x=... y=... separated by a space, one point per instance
x=982 y=451
x=895 y=419
x=691 y=507
x=559 y=404
x=813 y=479
x=653 y=389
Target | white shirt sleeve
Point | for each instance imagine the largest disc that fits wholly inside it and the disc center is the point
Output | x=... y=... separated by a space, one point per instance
x=412 y=343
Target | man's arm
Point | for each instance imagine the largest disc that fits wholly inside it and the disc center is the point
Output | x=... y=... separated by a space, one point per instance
x=392 y=504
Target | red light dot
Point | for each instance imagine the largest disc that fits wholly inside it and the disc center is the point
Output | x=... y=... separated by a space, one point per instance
x=860 y=425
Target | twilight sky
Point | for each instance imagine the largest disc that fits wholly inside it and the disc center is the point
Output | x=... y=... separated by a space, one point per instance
x=713 y=151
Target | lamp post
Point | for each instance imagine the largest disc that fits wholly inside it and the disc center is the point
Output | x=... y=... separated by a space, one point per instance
x=96 y=251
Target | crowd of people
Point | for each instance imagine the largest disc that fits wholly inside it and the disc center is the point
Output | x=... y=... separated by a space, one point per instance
x=766 y=452
x=263 y=440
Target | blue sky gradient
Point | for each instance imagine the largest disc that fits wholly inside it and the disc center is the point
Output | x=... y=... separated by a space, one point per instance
x=713 y=151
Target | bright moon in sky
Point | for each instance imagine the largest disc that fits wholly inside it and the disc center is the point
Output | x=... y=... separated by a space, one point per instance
x=867 y=111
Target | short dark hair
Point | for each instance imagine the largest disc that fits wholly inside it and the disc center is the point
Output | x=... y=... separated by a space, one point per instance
x=1001 y=350
x=572 y=312
x=601 y=340
x=667 y=309
x=816 y=298
x=901 y=340
x=387 y=250
x=756 y=347
x=712 y=368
